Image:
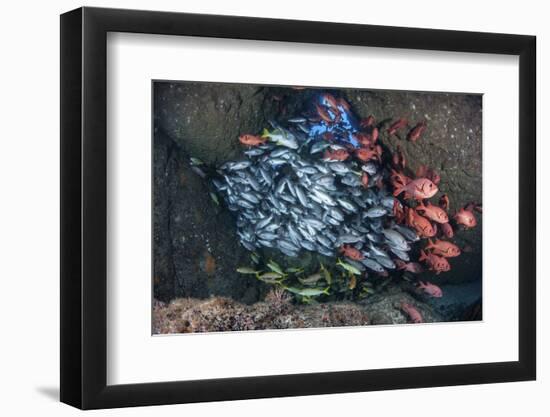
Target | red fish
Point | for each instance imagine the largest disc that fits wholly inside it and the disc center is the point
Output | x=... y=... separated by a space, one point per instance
x=413 y=267
x=419 y=189
x=444 y=202
x=421 y=224
x=365 y=179
x=398 y=159
x=395 y=159
x=364 y=139
x=435 y=263
x=399 y=212
x=323 y=114
x=374 y=134
x=443 y=248
x=367 y=154
x=417 y=131
x=424 y=171
x=367 y=122
x=330 y=101
x=343 y=103
x=398 y=178
x=251 y=140
x=474 y=206
x=396 y=126
x=336 y=155
x=447 y=230
x=351 y=252
x=412 y=312
x=432 y=212
x=434 y=176
x=430 y=289
x=466 y=218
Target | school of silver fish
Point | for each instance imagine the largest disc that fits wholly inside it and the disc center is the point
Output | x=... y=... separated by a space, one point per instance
x=295 y=190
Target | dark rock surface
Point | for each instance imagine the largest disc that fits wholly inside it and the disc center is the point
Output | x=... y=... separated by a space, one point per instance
x=205 y=119
x=458 y=300
x=196 y=250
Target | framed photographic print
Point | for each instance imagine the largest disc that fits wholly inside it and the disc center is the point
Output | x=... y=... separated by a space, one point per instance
x=257 y=208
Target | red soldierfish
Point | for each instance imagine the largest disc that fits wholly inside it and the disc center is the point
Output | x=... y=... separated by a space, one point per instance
x=330 y=101
x=364 y=139
x=466 y=218
x=352 y=253
x=435 y=263
x=336 y=155
x=365 y=180
x=421 y=224
x=413 y=267
x=399 y=212
x=443 y=248
x=374 y=134
x=398 y=178
x=412 y=312
x=419 y=189
x=444 y=202
x=252 y=140
x=435 y=213
x=396 y=126
x=417 y=131
x=367 y=122
x=430 y=289
x=398 y=159
x=323 y=114
x=473 y=206
x=365 y=154
x=447 y=230
x=343 y=103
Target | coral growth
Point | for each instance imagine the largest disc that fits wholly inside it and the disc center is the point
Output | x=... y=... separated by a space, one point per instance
x=278 y=311
x=185 y=315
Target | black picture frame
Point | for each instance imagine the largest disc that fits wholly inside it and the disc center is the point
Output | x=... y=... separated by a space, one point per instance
x=84 y=207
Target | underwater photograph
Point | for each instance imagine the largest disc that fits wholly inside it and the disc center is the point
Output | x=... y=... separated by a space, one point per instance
x=288 y=207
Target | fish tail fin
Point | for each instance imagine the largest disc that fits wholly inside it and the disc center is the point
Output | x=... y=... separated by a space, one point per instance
x=423 y=256
x=430 y=244
x=398 y=190
x=325 y=291
x=265 y=133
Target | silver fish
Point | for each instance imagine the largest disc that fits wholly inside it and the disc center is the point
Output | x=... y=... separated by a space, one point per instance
x=377 y=211
x=318 y=147
x=395 y=239
x=301 y=196
x=407 y=232
x=373 y=265
x=339 y=168
x=348 y=205
x=239 y=165
x=297 y=120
